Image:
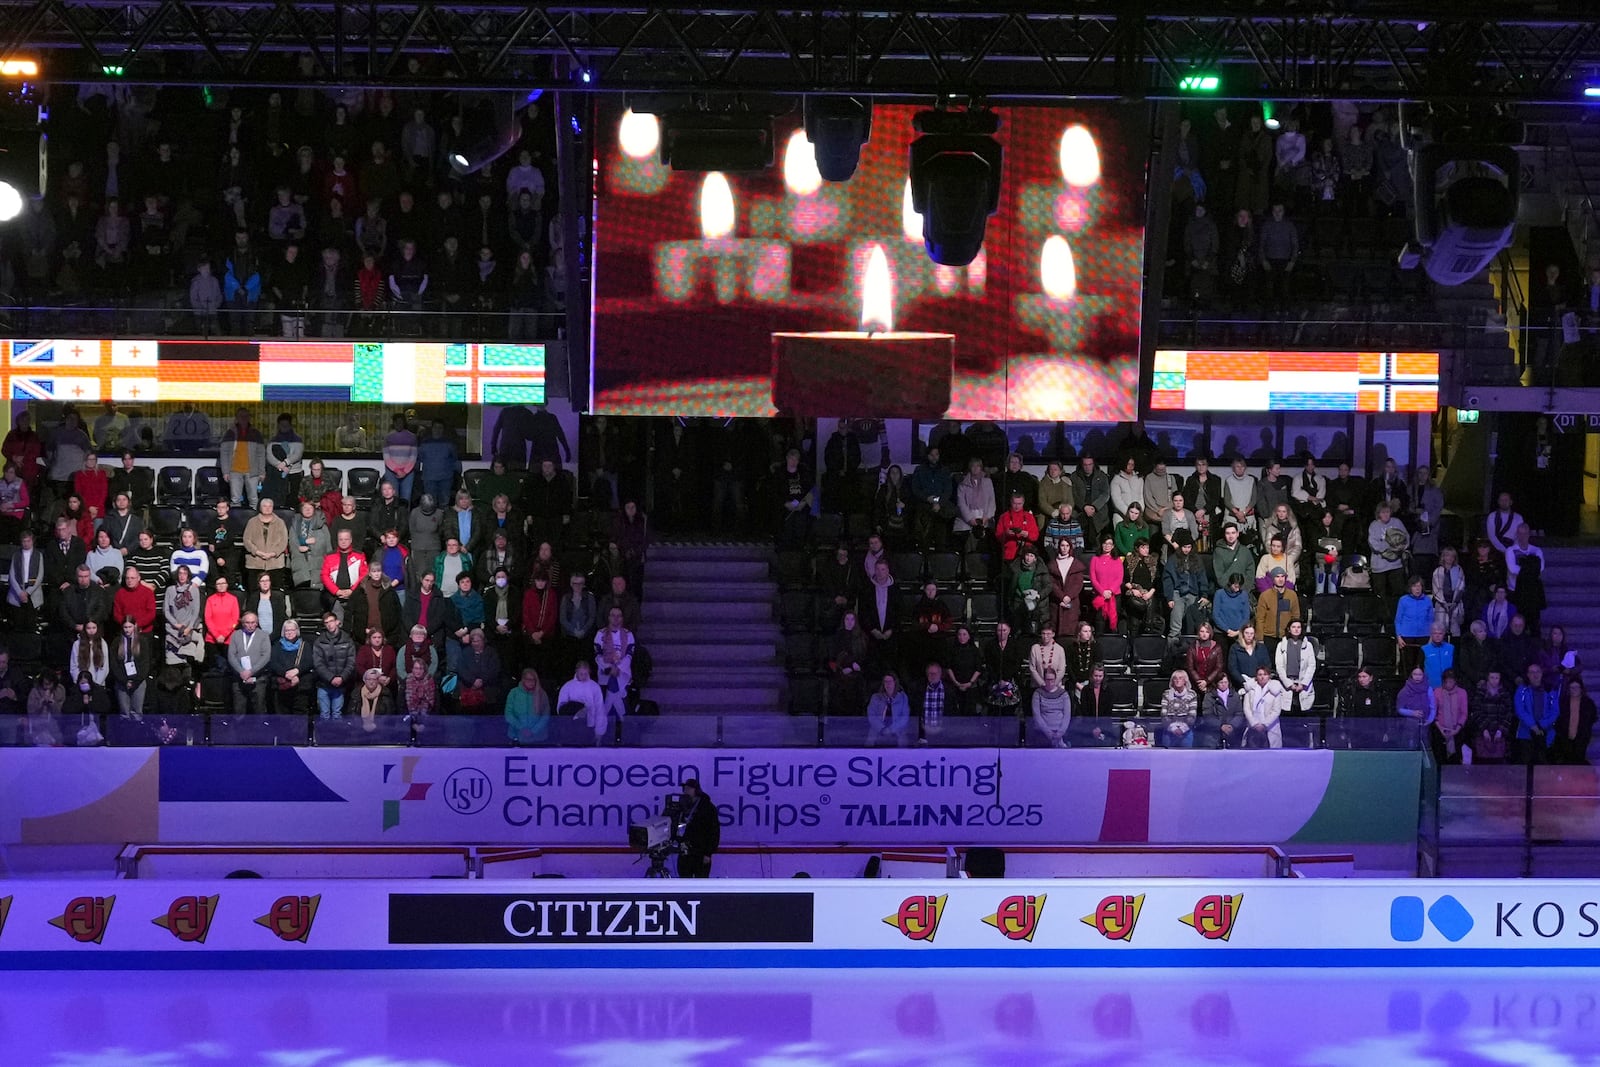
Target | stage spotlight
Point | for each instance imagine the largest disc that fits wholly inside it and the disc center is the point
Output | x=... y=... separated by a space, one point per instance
x=22 y=155
x=716 y=140
x=10 y=201
x=955 y=181
x=838 y=127
x=489 y=129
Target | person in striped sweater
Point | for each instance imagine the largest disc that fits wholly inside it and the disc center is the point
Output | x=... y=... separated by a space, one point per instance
x=190 y=553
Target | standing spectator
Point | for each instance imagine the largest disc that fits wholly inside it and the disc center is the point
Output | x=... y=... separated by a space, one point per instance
x=1246 y=656
x=343 y=569
x=89 y=654
x=1449 y=593
x=1141 y=582
x=888 y=713
x=1105 y=578
x=266 y=543
x=285 y=463
x=243 y=457
x=1276 y=606
x=579 y=618
x=1538 y=709
x=1201 y=246
x=1388 y=541
x=132 y=661
x=69 y=447
x=1355 y=164
x=1493 y=721
x=1127 y=489
x=1296 y=663
x=1185 y=586
x=290 y=668
x=333 y=659
x=1485 y=572
x=1437 y=656
x=183 y=619
x=222 y=614
x=1239 y=495
x=25 y=585
x=1415 y=700
x=373 y=700
x=1525 y=576
x=1179 y=519
x=1476 y=656
x=136 y=601
x=1279 y=251
x=933 y=497
x=1068 y=575
x=1450 y=719
x=24 y=449
x=1574 y=726
x=1255 y=167
x=1413 y=620
x=1046 y=655
x=241 y=283
x=400 y=451
x=1179 y=710
x=1092 y=491
x=249 y=661
x=1015 y=527
x=309 y=546
x=438 y=461
x=581 y=696
x=1500 y=525
x=795 y=482
x=1205 y=659
x=527 y=711
x=1052 y=710
x=847 y=657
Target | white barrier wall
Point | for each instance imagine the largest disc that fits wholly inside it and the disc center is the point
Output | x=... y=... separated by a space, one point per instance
x=797 y=923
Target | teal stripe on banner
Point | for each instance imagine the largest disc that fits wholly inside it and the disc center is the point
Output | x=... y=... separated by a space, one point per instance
x=755 y=958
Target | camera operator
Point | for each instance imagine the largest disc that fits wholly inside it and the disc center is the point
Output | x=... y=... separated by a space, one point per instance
x=701 y=832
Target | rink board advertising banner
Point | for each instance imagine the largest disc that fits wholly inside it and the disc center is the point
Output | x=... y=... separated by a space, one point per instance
x=900 y=923
x=568 y=797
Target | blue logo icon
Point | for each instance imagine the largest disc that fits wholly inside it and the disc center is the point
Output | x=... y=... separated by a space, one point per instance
x=1408 y=920
x=467 y=791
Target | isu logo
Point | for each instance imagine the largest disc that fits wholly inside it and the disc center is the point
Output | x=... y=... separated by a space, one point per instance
x=1115 y=917
x=5 y=909
x=85 y=919
x=1017 y=917
x=189 y=918
x=918 y=917
x=1213 y=917
x=291 y=917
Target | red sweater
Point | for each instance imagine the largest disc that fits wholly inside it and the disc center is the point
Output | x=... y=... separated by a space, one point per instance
x=1012 y=528
x=138 y=604
x=92 y=488
x=540 y=612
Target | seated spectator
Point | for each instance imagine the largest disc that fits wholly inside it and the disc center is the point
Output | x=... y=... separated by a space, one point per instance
x=1328 y=560
x=528 y=711
x=581 y=696
x=249 y=664
x=478 y=673
x=1364 y=698
x=1246 y=655
x=1415 y=699
x=1538 y=709
x=1574 y=726
x=333 y=661
x=1276 y=606
x=1450 y=719
x=1052 y=710
x=888 y=713
x=373 y=700
x=136 y=601
x=1413 y=621
x=1179 y=711
x=291 y=671
x=1264 y=702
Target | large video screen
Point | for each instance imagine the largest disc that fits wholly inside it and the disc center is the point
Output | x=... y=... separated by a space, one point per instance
x=714 y=291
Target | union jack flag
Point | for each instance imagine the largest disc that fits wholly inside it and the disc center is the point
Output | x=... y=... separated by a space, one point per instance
x=79 y=371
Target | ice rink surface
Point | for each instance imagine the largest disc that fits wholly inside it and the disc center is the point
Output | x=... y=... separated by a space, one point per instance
x=901 y=1018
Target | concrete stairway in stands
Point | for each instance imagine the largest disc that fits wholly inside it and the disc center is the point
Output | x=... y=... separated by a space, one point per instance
x=1481 y=356
x=1570 y=592
x=710 y=623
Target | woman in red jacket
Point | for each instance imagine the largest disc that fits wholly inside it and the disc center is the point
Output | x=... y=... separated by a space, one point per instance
x=374 y=654
x=92 y=484
x=24 y=447
x=134 y=600
x=1205 y=660
x=541 y=614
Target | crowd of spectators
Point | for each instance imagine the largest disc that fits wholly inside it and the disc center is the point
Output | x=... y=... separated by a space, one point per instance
x=1221 y=602
x=275 y=584
x=296 y=212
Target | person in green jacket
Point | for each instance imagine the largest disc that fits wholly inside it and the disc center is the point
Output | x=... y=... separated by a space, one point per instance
x=1131 y=530
x=528 y=711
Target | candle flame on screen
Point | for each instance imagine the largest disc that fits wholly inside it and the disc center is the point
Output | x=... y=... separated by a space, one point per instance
x=639 y=135
x=716 y=206
x=877 y=293
x=910 y=220
x=1056 y=270
x=1080 y=157
x=800 y=172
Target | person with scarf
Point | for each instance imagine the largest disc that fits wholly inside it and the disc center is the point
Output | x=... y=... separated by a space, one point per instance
x=1205 y=659
x=1105 y=580
x=1538 y=709
x=1180 y=709
x=1141 y=581
x=1574 y=727
x=1276 y=607
x=1450 y=720
x=1525 y=568
x=540 y=623
x=613 y=657
x=418 y=647
x=1498 y=613
x=289 y=666
x=1415 y=701
x=182 y=614
x=372 y=701
x=1052 y=710
x=1082 y=657
x=1500 y=525
x=373 y=605
x=1296 y=662
x=1263 y=703
x=308 y=546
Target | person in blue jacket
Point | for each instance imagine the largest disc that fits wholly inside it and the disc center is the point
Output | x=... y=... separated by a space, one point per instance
x=1438 y=656
x=1537 y=710
x=889 y=713
x=1413 y=621
x=1230 y=608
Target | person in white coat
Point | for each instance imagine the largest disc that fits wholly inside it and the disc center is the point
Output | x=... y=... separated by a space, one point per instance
x=583 y=698
x=1500 y=525
x=1264 y=702
x=1127 y=488
x=1296 y=660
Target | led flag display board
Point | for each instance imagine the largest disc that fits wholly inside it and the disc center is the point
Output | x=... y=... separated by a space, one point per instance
x=1406 y=382
x=378 y=372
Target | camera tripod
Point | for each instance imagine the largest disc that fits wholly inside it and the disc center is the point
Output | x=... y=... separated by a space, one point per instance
x=658 y=862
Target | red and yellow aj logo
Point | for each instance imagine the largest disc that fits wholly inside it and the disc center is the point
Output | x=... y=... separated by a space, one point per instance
x=1115 y=917
x=189 y=918
x=1017 y=917
x=918 y=917
x=85 y=919
x=1213 y=916
x=291 y=917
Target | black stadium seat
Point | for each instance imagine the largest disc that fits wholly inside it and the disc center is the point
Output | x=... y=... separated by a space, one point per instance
x=175 y=485
x=210 y=485
x=364 y=483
